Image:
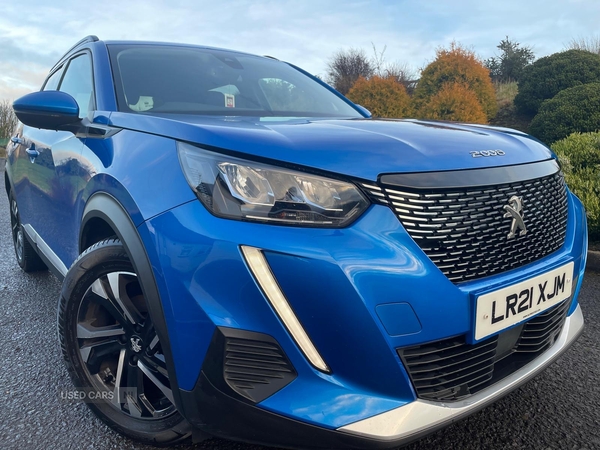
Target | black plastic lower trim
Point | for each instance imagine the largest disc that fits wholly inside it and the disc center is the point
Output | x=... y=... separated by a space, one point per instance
x=247 y=365
x=220 y=415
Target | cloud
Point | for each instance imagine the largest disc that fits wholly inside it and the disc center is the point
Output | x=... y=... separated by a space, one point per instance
x=305 y=33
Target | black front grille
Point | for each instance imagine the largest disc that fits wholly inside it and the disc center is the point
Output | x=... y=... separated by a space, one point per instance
x=543 y=330
x=464 y=231
x=451 y=369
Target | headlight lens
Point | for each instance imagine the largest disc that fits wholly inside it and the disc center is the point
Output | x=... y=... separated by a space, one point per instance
x=239 y=189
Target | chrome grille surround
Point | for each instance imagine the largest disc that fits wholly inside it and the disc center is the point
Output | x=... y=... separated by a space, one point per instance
x=463 y=229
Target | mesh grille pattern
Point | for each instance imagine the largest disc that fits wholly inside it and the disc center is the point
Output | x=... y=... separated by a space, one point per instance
x=543 y=330
x=450 y=369
x=464 y=231
x=249 y=365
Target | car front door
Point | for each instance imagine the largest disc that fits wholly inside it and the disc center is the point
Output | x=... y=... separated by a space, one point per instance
x=52 y=175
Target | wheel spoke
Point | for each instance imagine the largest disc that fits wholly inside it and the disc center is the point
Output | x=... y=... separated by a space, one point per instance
x=151 y=338
x=118 y=293
x=99 y=295
x=151 y=409
x=135 y=379
x=85 y=330
x=154 y=363
x=153 y=346
x=94 y=353
x=159 y=384
x=118 y=379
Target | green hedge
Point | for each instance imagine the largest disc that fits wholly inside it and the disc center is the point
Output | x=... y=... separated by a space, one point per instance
x=576 y=109
x=580 y=158
x=548 y=76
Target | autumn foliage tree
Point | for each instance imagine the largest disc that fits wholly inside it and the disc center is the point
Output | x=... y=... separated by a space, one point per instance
x=454 y=101
x=455 y=67
x=384 y=97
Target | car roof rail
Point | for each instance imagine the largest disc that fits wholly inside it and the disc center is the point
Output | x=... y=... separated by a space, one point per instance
x=90 y=38
x=270 y=57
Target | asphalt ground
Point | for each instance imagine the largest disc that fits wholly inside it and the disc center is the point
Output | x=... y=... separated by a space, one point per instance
x=560 y=409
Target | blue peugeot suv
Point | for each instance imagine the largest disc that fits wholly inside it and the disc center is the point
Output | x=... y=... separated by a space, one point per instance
x=247 y=254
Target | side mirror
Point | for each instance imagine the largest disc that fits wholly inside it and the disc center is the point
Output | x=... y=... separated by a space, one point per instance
x=50 y=110
x=365 y=111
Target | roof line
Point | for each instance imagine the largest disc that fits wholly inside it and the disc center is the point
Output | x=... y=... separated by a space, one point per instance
x=90 y=38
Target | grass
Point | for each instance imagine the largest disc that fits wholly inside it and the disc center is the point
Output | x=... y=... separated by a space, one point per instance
x=506 y=93
x=2 y=152
x=507 y=114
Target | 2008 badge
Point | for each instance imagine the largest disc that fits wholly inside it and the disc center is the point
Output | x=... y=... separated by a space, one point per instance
x=480 y=153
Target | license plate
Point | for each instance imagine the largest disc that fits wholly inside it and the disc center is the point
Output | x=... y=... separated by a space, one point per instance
x=513 y=304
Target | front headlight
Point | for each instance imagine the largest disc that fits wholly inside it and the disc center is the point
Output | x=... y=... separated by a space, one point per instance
x=239 y=189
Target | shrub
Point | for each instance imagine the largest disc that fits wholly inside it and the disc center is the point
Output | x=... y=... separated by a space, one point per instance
x=454 y=101
x=580 y=158
x=548 y=76
x=384 y=97
x=457 y=65
x=574 y=109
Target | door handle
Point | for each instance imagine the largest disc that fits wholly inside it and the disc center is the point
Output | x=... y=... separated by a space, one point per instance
x=33 y=153
x=16 y=139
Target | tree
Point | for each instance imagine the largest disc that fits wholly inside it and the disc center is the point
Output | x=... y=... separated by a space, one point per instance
x=384 y=97
x=457 y=65
x=346 y=66
x=454 y=101
x=8 y=120
x=509 y=64
x=549 y=75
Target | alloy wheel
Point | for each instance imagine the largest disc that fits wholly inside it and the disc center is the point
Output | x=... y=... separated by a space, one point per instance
x=120 y=349
x=17 y=231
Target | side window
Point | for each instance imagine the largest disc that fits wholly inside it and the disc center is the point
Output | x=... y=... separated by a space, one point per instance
x=78 y=82
x=52 y=82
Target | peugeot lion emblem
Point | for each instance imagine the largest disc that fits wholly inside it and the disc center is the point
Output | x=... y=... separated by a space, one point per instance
x=135 y=344
x=514 y=209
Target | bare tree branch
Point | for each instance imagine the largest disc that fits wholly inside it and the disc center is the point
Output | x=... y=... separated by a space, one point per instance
x=591 y=44
x=346 y=66
x=8 y=120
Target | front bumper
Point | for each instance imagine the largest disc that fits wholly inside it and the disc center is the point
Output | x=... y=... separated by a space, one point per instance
x=421 y=417
x=339 y=284
x=218 y=414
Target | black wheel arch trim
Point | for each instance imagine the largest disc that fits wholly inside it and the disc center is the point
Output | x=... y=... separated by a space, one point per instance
x=8 y=183
x=107 y=208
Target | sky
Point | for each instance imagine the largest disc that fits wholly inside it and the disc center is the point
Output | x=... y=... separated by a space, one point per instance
x=35 y=33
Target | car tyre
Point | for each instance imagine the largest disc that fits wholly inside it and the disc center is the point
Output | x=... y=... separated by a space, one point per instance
x=27 y=257
x=111 y=348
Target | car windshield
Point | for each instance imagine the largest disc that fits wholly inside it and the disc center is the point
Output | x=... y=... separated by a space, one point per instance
x=187 y=80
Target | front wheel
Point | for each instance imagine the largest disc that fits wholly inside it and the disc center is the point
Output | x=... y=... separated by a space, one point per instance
x=111 y=348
